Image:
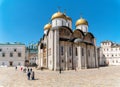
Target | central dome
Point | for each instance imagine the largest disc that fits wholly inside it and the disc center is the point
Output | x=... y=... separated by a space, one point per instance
x=81 y=21
x=58 y=15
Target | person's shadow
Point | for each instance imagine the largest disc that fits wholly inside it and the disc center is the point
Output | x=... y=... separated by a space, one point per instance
x=36 y=79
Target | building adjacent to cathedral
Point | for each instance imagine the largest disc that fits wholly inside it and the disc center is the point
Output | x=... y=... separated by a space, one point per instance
x=64 y=48
x=12 y=54
x=109 y=53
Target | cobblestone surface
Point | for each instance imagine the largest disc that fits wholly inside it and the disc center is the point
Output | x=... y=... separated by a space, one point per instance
x=102 y=77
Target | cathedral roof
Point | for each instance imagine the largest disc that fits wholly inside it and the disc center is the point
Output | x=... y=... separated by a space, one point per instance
x=47 y=26
x=58 y=15
x=81 y=21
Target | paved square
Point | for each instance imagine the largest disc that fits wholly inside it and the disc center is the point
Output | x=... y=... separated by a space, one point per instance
x=102 y=77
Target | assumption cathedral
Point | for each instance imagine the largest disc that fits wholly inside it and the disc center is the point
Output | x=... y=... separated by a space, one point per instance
x=64 y=48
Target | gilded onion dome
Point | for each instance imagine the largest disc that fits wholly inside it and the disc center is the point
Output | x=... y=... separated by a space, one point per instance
x=47 y=26
x=81 y=21
x=68 y=18
x=58 y=15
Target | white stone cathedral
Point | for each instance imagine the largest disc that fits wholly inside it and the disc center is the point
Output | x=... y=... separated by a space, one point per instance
x=62 y=48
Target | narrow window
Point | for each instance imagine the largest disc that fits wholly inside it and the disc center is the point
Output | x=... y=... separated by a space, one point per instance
x=70 y=51
x=68 y=25
x=62 y=22
x=76 y=51
x=61 y=50
x=82 y=50
x=56 y=22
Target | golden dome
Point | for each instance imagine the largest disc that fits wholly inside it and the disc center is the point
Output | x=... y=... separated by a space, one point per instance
x=58 y=15
x=81 y=21
x=47 y=26
x=68 y=18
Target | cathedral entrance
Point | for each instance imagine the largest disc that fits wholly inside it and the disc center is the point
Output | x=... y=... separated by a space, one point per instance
x=11 y=63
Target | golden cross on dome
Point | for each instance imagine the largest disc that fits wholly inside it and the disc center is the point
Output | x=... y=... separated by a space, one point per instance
x=59 y=8
x=80 y=15
x=49 y=21
x=65 y=11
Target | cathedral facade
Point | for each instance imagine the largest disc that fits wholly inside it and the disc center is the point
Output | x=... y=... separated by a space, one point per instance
x=64 y=48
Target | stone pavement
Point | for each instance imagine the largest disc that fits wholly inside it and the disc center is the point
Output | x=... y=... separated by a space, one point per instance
x=102 y=77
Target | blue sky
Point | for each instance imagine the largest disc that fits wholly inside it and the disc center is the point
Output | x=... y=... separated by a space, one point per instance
x=23 y=20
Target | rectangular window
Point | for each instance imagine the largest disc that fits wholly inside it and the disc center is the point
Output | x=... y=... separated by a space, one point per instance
x=3 y=54
x=61 y=50
x=15 y=50
x=82 y=50
x=19 y=54
x=76 y=52
x=11 y=54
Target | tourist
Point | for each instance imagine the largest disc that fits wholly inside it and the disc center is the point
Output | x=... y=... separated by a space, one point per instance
x=32 y=75
x=21 y=68
x=31 y=70
x=28 y=70
x=16 y=67
x=28 y=74
x=60 y=70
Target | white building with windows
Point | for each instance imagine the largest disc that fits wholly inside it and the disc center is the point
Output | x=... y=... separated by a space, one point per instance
x=109 y=53
x=62 y=48
x=12 y=54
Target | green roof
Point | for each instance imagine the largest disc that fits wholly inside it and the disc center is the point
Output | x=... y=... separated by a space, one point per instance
x=15 y=43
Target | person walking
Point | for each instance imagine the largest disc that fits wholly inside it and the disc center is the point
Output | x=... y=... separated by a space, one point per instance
x=32 y=75
x=60 y=70
x=16 y=68
x=31 y=70
x=28 y=74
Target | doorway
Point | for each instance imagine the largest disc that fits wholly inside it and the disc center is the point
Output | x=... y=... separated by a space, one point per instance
x=11 y=63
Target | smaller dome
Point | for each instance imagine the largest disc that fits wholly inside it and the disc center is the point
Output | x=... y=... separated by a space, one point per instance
x=47 y=26
x=68 y=18
x=81 y=21
x=58 y=15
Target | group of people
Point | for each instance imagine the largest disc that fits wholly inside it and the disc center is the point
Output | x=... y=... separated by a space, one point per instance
x=30 y=72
